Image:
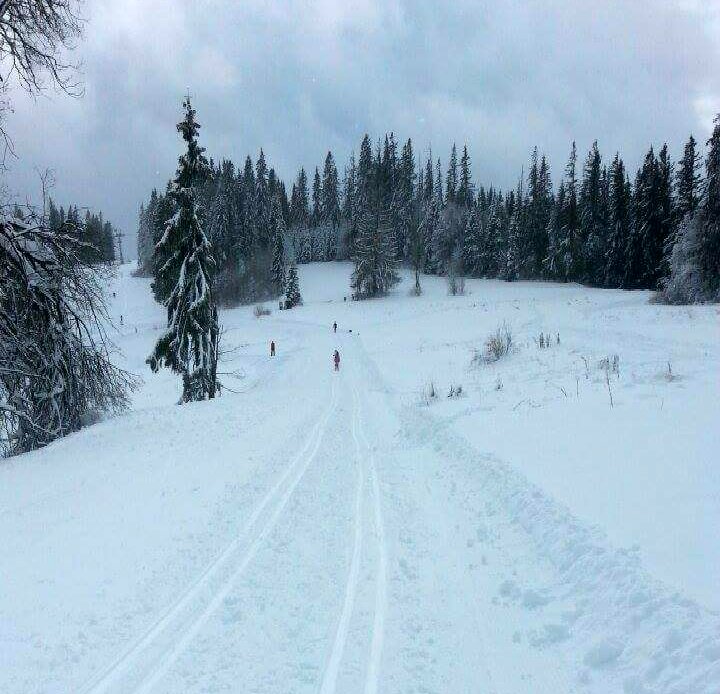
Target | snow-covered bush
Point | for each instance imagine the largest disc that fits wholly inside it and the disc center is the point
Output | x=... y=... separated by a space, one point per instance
x=259 y=311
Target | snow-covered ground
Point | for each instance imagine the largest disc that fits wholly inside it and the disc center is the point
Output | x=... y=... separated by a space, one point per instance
x=320 y=532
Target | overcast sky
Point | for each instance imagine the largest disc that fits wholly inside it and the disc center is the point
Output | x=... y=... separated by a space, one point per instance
x=299 y=78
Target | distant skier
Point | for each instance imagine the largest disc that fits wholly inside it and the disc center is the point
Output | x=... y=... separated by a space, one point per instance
x=336 y=360
x=272 y=348
x=335 y=327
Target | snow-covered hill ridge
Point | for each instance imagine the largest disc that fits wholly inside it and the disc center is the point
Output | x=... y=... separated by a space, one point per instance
x=343 y=532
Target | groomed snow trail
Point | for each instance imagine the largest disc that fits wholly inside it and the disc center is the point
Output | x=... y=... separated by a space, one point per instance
x=177 y=627
x=378 y=629
x=189 y=633
x=330 y=676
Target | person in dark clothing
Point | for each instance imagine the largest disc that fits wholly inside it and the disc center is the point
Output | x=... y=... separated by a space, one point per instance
x=272 y=348
x=335 y=327
x=336 y=360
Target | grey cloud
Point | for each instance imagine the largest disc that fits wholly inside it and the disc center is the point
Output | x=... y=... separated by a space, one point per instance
x=297 y=78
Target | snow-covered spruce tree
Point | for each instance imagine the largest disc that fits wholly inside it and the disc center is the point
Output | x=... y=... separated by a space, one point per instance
x=684 y=284
x=55 y=368
x=473 y=242
x=145 y=236
x=278 y=260
x=190 y=344
x=708 y=244
x=374 y=273
x=592 y=222
x=537 y=216
x=429 y=221
x=292 y=292
x=514 y=262
x=688 y=181
x=619 y=222
x=554 y=264
x=570 y=231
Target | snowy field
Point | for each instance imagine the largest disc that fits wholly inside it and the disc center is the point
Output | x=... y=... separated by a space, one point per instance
x=320 y=532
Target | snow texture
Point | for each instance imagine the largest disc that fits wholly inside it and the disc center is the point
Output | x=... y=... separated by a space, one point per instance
x=313 y=531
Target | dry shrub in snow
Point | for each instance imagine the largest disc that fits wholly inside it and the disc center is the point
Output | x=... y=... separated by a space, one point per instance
x=455 y=391
x=260 y=311
x=428 y=394
x=496 y=346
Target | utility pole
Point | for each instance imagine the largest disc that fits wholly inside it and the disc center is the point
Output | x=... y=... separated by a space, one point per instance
x=118 y=238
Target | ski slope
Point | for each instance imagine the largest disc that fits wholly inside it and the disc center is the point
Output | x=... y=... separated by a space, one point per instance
x=313 y=531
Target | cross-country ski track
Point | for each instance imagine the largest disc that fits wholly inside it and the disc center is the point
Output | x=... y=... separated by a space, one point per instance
x=330 y=533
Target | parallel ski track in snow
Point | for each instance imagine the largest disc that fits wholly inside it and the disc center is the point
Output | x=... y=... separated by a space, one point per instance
x=365 y=468
x=378 y=632
x=132 y=656
x=332 y=669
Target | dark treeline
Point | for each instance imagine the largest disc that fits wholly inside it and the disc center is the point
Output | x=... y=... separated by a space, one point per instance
x=659 y=229
x=95 y=236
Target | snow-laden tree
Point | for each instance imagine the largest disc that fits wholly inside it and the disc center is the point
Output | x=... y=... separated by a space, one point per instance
x=708 y=249
x=190 y=344
x=684 y=283
x=619 y=221
x=514 y=265
x=292 y=292
x=55 y=368
x=374 y=273
x=278 y=260
x=592 y=220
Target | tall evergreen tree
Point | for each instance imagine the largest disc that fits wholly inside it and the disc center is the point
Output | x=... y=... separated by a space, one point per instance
x=514 y=262
x=592 y=223
x=349 y=208
x=708 y=245
x=263 y=202
x=539 y=211
x=619 y=223
x=330 y=197
x=278 y=259
x=404 y=216
x=374 y=258
x=292 y=292
x=451 y=179
x=190 y=344
x=571 y=220
x=650 y=228
x=465 y=192
x=428 y=192
x=667 y=216
x=688 y=181
x=316 y=215
x=300 y=203
x=556 y=261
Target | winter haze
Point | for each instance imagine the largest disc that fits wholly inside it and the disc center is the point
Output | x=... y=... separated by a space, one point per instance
x=300 y=78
